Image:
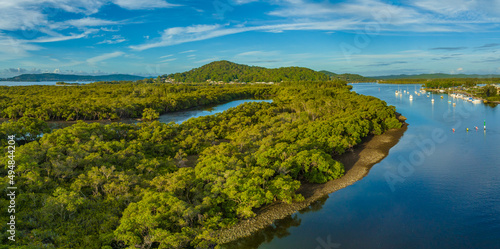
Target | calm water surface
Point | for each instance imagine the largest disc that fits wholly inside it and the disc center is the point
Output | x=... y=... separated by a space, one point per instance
x=181 y=116
x=31 y=83
x=176 y=117
x=432 y=191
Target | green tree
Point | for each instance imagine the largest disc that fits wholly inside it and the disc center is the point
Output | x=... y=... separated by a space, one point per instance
x=489 y=90
x=150 y=114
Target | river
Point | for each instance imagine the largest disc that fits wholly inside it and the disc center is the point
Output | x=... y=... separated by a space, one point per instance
x=436 y=188
x=40 y=83
x=181 y=116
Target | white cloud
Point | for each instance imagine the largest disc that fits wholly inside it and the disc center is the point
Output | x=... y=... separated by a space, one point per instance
x=62 y=37
x=11 y=48
x=34 y=16
x=244 y=1
x=167 y=60
x=30 y=14
x=179 y=35
x=143 y=4
x=249 y=53
x=187 y=51
x=109 y=29
x=114 y=40
x=257 y=54
x=166 y=56
x=103 y=57
x=372 y=16
x=444 y=6
x=367 y=12
x=89 y=22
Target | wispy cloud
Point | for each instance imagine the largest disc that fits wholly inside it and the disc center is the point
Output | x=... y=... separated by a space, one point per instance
x=257 y=53
x=446 y=57
x=33 y=16
x=168 y=60
x=109 y=29
x=166 y=56
x=489 y=45
x=488 y=60
x=383 y=64
x=114 y=40
x=63 y=37
x=244 y=1
x=344 y=16
x=448 y=48
x=144 y=4
x=104 y=57
x=11 y=48
x=179 y=35
x=88 y=22
x=187 y=51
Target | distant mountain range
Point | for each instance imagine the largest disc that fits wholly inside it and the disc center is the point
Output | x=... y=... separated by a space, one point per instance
x=228 y=71
x=435 y=76
x=71 y=77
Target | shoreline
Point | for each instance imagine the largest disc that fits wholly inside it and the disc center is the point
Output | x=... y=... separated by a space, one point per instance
x=485 y=101
x=357 y=164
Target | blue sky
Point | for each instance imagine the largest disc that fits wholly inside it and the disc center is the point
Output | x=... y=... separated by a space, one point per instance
x=153 y=37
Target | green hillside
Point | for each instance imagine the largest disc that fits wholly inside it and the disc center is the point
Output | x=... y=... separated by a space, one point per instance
x=227 y=71
x=351 y=78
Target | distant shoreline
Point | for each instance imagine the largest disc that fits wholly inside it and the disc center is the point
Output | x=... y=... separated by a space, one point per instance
x=466 y=93
x=357 y=164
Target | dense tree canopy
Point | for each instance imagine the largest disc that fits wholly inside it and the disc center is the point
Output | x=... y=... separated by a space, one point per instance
x=100 y=101
x=351 y=78
x=157 y=185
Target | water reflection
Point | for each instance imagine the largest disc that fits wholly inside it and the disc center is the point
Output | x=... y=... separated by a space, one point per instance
x=181 y=116
x=450 y=200
x=279 y=229
x=176 y=117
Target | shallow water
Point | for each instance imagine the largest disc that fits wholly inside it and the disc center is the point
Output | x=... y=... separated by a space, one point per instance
x=176 y=117
x=435 y=189
x=32 y=83
x=181 y=116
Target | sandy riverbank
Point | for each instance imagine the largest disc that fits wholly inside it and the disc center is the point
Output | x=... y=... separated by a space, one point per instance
x=357 y=165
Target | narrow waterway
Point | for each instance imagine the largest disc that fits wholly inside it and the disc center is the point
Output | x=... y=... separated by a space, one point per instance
x=436 y=188
x=181 y=116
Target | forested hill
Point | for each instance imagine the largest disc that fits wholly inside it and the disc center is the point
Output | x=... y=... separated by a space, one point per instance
x=351 y=78
x=227 y=71
x=71 y=77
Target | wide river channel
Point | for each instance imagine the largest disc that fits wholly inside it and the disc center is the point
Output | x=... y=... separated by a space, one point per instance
x=436 y=188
